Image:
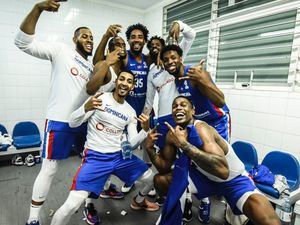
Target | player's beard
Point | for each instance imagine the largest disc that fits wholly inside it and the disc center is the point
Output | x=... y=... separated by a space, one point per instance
x=134 y=51
x=81 y=49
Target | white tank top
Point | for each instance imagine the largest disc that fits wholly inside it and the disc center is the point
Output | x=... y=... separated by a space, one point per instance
x=236 y=167
x=111 y=84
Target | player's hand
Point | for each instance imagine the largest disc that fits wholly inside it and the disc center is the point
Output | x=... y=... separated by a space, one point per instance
x=159 y=62
x=50 y=5
x=94 y=103
x=177 y=135
x=113 y=30
x=152 y=137
x=174 y=32
x=198 y=75
x=144 y=120
x=113 y=57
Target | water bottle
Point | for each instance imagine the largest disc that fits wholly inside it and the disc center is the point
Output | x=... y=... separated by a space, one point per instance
x=126 y=149
x=285 y=213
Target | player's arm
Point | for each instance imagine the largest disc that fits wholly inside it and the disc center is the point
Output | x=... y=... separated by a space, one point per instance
x=135 y=138
x=25 y=37
x=100 y=71
x=111 y=31
x=163 y=160
x=84 y=112
x=189 y=35
x=209 y=157
x=149 y=95
x=29 y=23
x=201 y=78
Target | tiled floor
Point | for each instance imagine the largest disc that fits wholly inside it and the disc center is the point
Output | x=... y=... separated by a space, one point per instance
x=15 y=193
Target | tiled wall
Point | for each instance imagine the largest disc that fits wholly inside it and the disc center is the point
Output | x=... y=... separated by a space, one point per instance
x=268 y=119
x=24 y=80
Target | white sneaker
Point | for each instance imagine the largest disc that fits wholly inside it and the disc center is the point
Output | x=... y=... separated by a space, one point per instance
x=17 y=160
x=125 y=189
x=152 y=193
x=29 y=160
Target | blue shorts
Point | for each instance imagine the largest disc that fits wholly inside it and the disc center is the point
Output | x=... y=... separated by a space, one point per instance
x=232 y=190
x=96 y=168
x=222 y=126
x=60 y=139
x=163 y=129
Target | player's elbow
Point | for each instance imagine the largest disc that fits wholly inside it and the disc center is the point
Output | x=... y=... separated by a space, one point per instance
x=221 y=169
x=90 y=90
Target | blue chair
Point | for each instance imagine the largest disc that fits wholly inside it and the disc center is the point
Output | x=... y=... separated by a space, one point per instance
x=285 y=164
x=246 y=153
x=3 y=130
x=26 y=135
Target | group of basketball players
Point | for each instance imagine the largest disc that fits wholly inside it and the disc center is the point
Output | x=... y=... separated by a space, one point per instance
x=108 y=105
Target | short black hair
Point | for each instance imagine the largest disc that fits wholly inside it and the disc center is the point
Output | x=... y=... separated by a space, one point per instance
x=161 y=40
x=77 y=31
x=137 y=26
x=172 y=47
x=182 y=96
x=127 y=71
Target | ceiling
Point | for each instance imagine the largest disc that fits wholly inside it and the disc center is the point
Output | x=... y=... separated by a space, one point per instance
x=138 y=4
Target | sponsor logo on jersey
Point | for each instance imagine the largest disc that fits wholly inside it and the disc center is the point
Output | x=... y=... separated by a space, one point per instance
x=109 y=130
x=84 y=65
x=155 y=75
x=165 y=83
x=115 y=113
x=99 y=126
x=74 y=71
x=202 y=115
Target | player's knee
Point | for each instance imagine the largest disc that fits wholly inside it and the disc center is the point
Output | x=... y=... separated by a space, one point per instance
x=49 y=167
x=257 y=203
x=158 y=180
x=74 y=201
x=147 y=176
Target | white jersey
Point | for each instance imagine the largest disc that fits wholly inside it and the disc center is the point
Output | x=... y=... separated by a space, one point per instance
x=69 y=74
x=106 y=128
x=164 y=83
x=235 y=165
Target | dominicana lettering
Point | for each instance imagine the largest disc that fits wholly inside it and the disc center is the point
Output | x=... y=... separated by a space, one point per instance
x=115 y=113
x=83 y=65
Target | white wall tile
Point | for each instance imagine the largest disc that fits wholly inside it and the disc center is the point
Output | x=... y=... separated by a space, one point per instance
x=273 y=138
x=293 y=107
x=259 y=120
x=260 y=104
x=258 y=135
x=275 y=122
x=277 y=105
x=292 y=126
x=291 y=143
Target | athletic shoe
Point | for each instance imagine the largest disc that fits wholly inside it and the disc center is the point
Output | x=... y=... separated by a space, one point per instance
x=144 y=205
x=187 y=214
x=35 y=222
x=17 y=160
x=112 y=192
x=204 y=212
x=90 y=215
x=29 y=160
x=160 y=201
x=126 y=189
x=152 y=193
